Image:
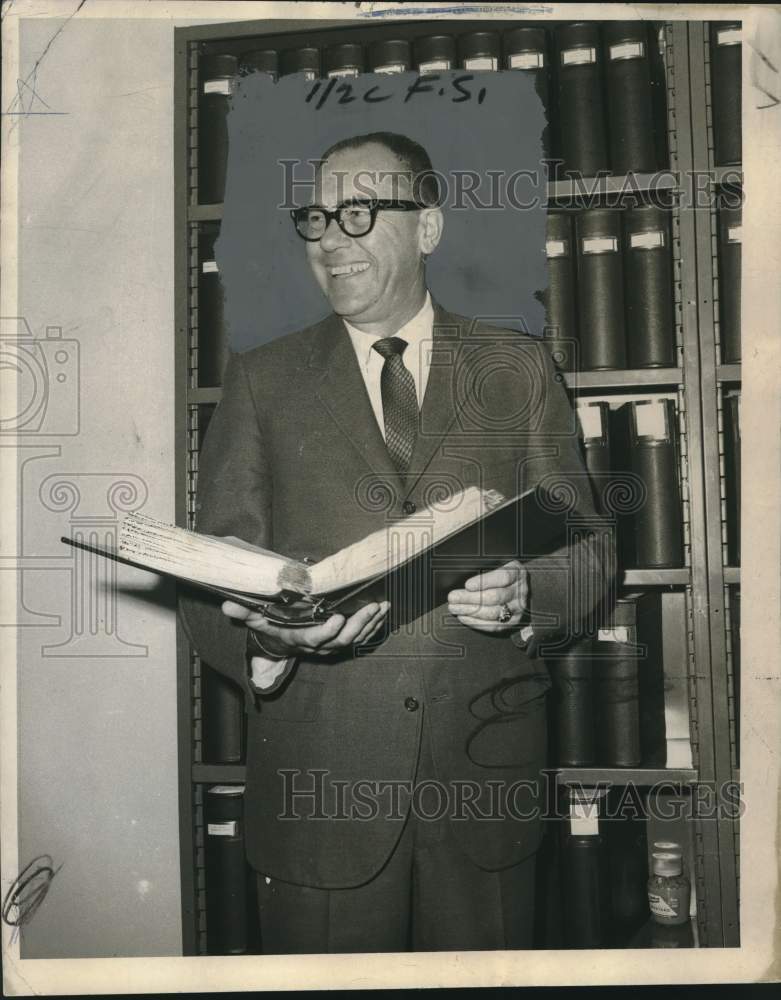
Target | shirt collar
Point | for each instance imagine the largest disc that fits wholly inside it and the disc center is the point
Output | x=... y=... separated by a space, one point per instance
x=419 y=329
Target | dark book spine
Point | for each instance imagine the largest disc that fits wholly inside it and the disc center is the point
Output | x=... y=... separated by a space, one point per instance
x=223 y=719
x=304 y=60
x=654 y=460
x=559 y=297
x=213 y=344
x=226 y=871
x=391 y=55
x=479 y=50
x=217 y=74
x=600 y=278
x=627 y=847
x=585 y=883
x=734 y=624
x=595 y=427
x=629 y=97
x=526 y=49
x=726 y=74
x=259 y=61
x=617 y=694
x=730 y=237
x=343 y=60
x=581 y=114
x=732 y=470
x=650 y=306
x=574 y=706
x=434 y=53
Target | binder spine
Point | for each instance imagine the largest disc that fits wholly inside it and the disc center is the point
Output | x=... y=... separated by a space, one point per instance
x=259 y=61
x=213 y=344
x=392 y=55
x=434 y=53
x=305 y=59
x=595 y=423
x=560 y=298
x=223 y=723
x=479 y=50
x=343 y=60
x=586 y=885
x=650 y=303
x=731 y=417
x=726 y=75
x=580 y=104
x=572 y=676
x=629 y=97
x=216 y=79
x=226 y=872
x=526 y=50
x=658 y=522
x=600 y=277
x=618 y=697
x=730 y=236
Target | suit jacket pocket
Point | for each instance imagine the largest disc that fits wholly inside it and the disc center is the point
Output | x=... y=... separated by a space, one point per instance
x=299 y=701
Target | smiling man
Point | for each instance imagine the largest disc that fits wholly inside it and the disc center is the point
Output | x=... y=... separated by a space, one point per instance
x=392 y=798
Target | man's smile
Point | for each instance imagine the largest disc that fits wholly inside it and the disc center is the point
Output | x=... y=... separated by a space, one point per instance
x=347 y=270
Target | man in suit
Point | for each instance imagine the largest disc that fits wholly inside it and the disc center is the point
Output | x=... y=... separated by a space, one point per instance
x=359 y=731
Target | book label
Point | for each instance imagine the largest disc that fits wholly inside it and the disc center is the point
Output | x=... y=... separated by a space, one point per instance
x=481 y=62
x=557 y=248
x=734 y=234
x=433 y=66
x=344 y=71
x=650 y=420
x=647 y=241
x=390 y=68
x=227 y=829
x=599 y=244
x=526 y=60
x=222 y=86
x=590 y=417
x=627 y=50
x=618 y=634
x=584 y=819
x=728 y=36
x=578 y=57
x=209 y=267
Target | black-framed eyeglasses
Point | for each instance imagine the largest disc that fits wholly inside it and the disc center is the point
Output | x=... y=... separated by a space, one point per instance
x=355 y=217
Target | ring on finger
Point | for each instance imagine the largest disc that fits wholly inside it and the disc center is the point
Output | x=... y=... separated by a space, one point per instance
x=505 y=614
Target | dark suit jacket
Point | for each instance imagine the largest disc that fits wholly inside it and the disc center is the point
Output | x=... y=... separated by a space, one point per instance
x=294 y=460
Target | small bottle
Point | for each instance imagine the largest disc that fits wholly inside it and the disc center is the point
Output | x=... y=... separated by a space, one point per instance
x=668 y=890
x=668 y=847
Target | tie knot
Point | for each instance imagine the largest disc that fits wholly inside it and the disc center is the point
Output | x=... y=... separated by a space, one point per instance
x=390 y=346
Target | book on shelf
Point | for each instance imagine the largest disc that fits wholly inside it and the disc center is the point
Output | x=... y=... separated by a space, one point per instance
x=470 y=531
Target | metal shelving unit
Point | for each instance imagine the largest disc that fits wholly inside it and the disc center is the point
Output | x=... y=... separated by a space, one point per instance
x=702 y=583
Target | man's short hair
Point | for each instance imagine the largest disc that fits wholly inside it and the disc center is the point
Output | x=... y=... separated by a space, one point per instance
x=412 y=156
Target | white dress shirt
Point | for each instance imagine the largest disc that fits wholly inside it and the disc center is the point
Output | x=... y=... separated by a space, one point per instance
x=418 y=333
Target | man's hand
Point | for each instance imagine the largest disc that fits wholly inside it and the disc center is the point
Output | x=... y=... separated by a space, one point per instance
x=335 y=634
x=484 y=598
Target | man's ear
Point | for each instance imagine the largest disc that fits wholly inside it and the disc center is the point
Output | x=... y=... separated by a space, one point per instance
x=430 y=227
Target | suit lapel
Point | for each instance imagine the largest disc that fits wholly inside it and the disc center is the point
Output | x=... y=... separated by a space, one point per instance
x=342 y=392
x=438 y=415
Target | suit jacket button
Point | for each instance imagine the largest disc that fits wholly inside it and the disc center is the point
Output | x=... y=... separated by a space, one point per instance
x=409 y=506
x=411 y=704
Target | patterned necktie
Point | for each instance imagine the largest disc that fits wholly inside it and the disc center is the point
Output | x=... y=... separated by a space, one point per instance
x=399 y=401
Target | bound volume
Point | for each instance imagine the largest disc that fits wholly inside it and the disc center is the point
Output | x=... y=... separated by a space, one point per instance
x=601 y=289
x=471 y=531
x=227 y=924
x=630 y=97
x=650 y=307
x=726 y=88
x=559 y=296
x=582 y=132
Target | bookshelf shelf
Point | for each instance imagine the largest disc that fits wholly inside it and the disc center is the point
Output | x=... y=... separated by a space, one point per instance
x=657 y=577
x=641 y=776
x=218 y=774
x=204 y=213
x=597 y=187
x=634 y=378
x=728 y=373
x=204 y=395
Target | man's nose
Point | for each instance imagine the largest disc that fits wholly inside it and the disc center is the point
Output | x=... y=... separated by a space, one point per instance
x=333 y=237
